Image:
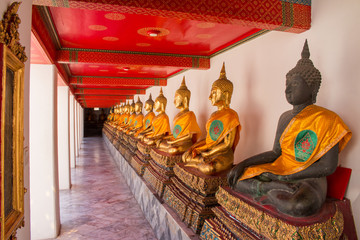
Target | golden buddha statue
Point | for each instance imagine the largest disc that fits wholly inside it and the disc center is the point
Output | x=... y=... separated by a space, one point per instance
x=160 y=125
x=148 y=118
x=186 y=130
x=110 y=116
x=216 y=152
x=137 y=121
x=128 y=123
x=124 y=116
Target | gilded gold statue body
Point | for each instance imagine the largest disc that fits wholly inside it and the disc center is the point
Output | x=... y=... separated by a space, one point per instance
x=137 y=121
x=292 y=177
x=147 y=120
x=186 y=130
x=160 y=126
x=216 y=152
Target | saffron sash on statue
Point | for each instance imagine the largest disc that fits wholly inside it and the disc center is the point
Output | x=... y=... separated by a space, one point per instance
x=160 y=125
x=185 y=124
x=217 y=127
x=147 y=121
x=308 y=136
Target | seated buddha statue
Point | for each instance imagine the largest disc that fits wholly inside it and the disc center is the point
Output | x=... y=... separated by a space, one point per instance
x=137 y=121
x=216 y=152
x=129 y=121
x=147 y=120
x=124 y=116
x=186 y=130
x=292 y=176
x=160 y=126
x=110 y=116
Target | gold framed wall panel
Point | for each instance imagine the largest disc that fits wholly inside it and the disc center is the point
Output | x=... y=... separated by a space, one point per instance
x=12 y=219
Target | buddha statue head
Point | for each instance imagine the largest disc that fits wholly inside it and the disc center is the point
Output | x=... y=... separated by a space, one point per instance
x=306 y=70
x=149 y=104
x=160 y=102
x=126 y=108
x=221 y=90
x=138 y=106
x=182 y=96
x=132 y=107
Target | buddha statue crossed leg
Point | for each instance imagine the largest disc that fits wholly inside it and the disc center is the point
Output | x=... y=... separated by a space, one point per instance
x=186 y=130
x=292 y=177
x=216 y=152
x=160 y=125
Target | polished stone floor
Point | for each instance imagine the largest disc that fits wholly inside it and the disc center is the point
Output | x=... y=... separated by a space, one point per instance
x=100 y=204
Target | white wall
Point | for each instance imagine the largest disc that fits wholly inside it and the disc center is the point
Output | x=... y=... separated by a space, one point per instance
x=258 y=68
x=63 y=137
x=44 y=185
x=24 y=13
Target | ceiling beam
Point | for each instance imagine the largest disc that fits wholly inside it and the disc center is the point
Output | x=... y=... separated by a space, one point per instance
x=281 y=15
x=107 y=97
x=116 y=81
x=101 y=91
x=132 y=58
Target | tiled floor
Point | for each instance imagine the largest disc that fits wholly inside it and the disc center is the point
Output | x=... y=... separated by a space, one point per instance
x=100 y=204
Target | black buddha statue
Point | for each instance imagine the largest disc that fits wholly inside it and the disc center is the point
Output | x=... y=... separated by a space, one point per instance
x=292 y=176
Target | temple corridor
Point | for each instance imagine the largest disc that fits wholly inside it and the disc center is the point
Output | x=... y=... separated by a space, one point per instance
x=99 y=204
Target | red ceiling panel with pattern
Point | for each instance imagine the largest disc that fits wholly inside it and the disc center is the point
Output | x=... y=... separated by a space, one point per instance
x=120 y=48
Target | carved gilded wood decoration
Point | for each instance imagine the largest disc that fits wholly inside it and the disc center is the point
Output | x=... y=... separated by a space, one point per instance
x=9 y=34
x=12 y=190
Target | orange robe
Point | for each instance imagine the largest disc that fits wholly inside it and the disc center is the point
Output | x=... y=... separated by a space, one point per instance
x=220 y=124
x=185 y=124
x=308 y=136
x=160 y=125
x=147 y=121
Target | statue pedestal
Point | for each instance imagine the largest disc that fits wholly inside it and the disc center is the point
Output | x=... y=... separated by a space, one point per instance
x=133 y=143
x=141 y=159
x=192 y=194
x=240 y=217
x=160 y=170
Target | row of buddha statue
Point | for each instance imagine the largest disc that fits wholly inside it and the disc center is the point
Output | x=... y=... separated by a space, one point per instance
x=194 y=175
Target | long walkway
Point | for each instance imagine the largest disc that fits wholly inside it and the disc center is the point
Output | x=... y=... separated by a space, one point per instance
x=100 y=204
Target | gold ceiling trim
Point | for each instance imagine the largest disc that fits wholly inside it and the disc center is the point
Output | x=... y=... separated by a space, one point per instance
x=9 y=34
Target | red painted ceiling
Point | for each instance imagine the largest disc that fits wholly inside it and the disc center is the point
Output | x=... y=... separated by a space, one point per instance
x=104 y=49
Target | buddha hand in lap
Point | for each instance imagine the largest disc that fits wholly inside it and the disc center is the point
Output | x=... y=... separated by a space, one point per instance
x=186 y=130
x=216 y=152
x=147 y=120
x=160 y=126
x=292 y=177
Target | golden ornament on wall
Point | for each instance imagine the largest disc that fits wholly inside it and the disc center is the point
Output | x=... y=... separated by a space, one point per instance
x=9 y=34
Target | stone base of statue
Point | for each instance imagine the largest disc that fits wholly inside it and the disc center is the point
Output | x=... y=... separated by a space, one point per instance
x=192 y=194
x=240 y=217
x=160 y=170
x=133 y=143
x=141 y=159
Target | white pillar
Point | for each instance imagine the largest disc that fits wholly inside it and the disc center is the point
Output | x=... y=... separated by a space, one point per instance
x=63 y=138
x=75 y=130
x=78 y=126
x=72 y=131
x=44 y=185
x=81 y=124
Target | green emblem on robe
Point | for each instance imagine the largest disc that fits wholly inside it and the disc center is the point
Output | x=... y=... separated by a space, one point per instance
x=216 y=128
x=147 y=123
x=177 y=130
x=305 y=144
x=135 y=123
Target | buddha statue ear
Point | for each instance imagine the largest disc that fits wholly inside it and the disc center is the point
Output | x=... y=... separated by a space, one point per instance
x=227 y=98
x=186 y=102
